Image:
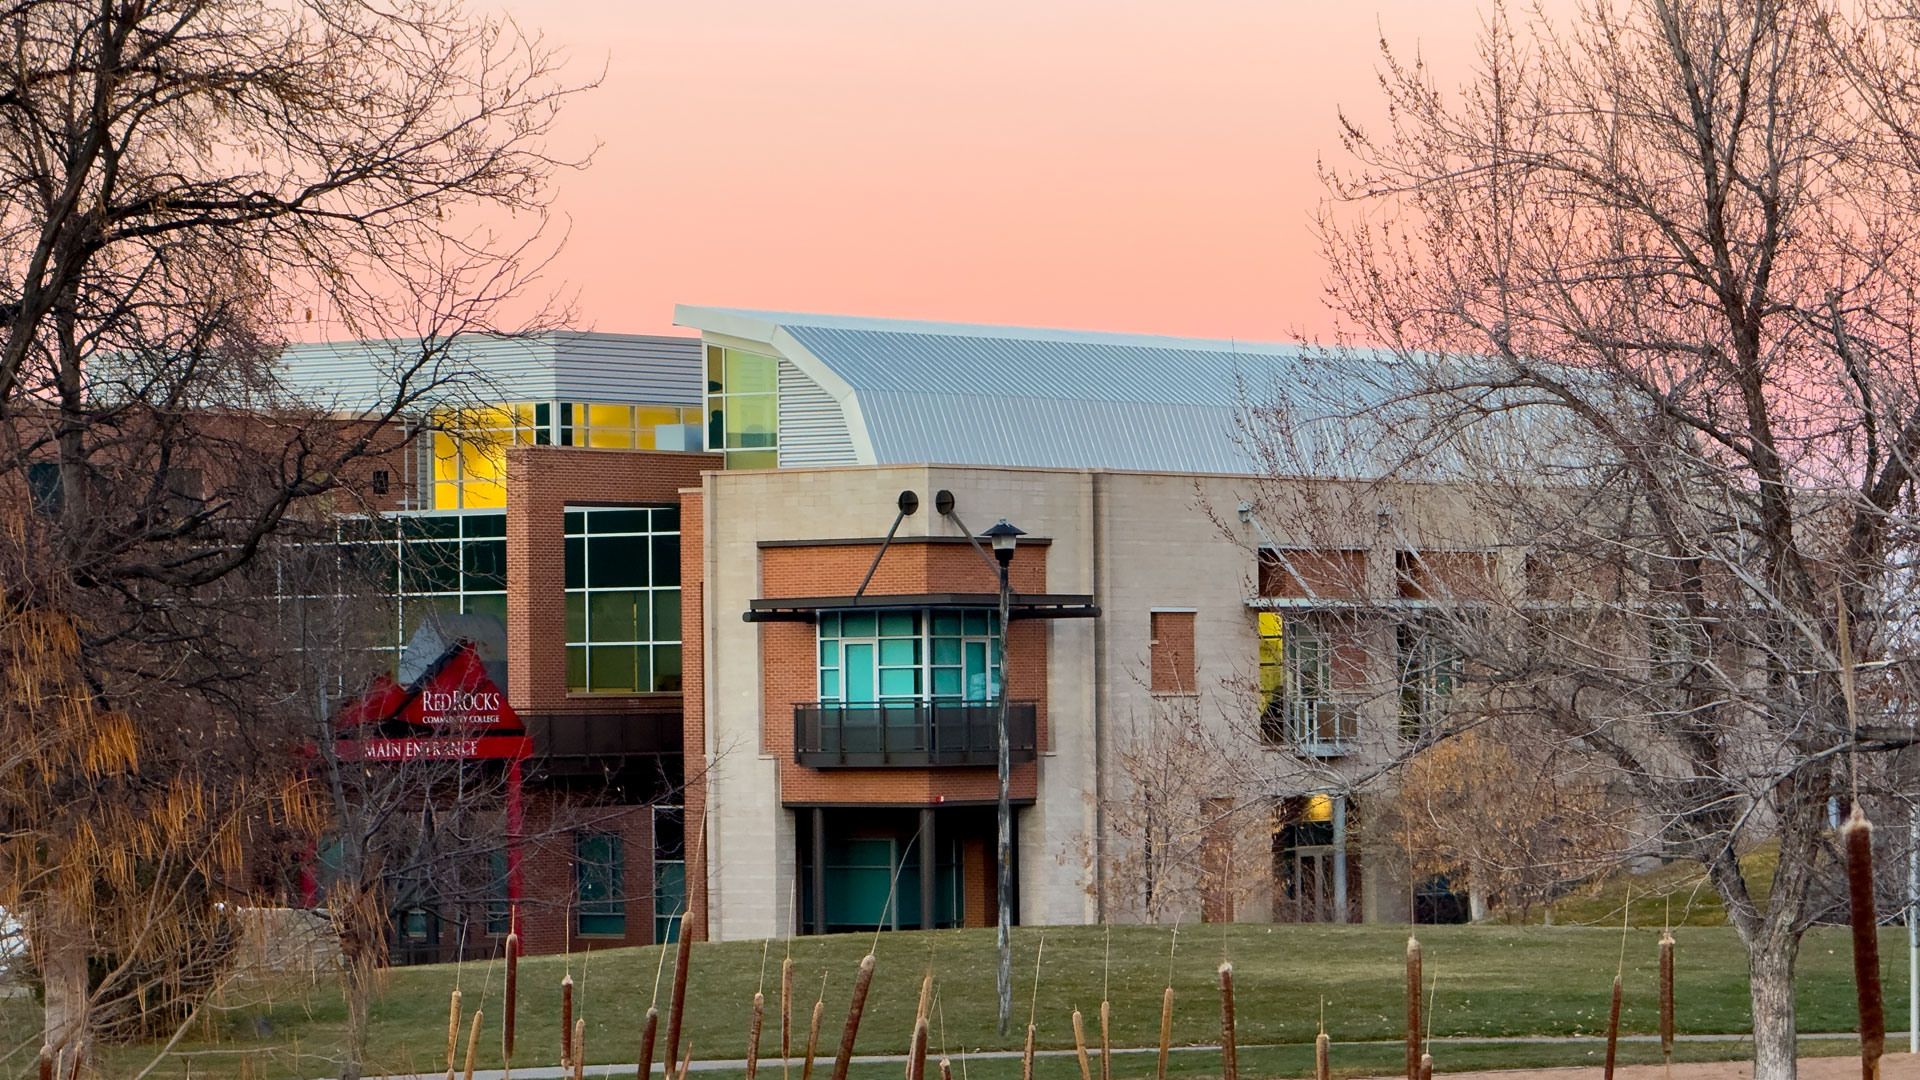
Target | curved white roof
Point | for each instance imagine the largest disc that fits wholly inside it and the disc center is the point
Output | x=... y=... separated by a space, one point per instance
x=947 y=393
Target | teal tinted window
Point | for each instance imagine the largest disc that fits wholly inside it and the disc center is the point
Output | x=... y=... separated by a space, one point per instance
x=908 y=654
x=601 y=906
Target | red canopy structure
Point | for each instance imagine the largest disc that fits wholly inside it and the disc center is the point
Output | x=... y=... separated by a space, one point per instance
x=453 y=712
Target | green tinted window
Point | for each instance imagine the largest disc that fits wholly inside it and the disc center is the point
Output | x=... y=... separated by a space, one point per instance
x=623 y=602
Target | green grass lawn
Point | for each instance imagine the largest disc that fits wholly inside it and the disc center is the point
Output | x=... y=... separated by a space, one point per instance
x=1489 y=981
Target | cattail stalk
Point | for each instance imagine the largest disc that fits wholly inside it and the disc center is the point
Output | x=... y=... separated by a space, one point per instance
x=512 y=997
x=579 y=1048
x=1106 y=1044
x=1166 y=1031
x=1080 y=1045
x=677 y=1004
x=647 y=1032
x=46 y=1062
x=917 y=1056
x=1322 y=1057
x=1229 y=1053
x=920 y=1013
x=786 y=1013
x=1666 y=997
x=753 y=1034
x=1413 y=1008
x=1426 y=1066
x=566 y=1020
x=813 y=1039
x=473 y=1043
x=1613 y=1030
x=453 y=1030
x=1857 y=835
x=862 y=982
x=1026 y=1056
x=685 y=1063
x=946 y=1069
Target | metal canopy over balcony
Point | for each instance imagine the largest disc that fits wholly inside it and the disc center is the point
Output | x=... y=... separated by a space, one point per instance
x=909 y=734
x=1025 y=605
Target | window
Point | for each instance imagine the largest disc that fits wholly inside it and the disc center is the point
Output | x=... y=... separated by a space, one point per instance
x=1298 y=707
x=381 y=483
x=1426 y=679
x=911 y=655
x=669 y=873
x=743 y=407
x=44 y=488
x=623 y=600
x=1170 y=653
x=499 y=907
x=469 y=446
x=600 y=900
x=428 y=564
x=1672 y=645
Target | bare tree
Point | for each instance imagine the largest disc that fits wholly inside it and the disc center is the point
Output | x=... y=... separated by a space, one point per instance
x=1642 y=295
x=182 y=183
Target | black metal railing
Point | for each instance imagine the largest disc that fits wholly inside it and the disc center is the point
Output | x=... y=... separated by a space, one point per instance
x=909 y=734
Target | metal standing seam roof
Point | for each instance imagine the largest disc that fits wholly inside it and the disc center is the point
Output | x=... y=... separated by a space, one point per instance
x=923 y=392
x=351 y=376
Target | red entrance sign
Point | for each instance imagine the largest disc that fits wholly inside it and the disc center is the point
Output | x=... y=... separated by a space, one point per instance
x=436 y=748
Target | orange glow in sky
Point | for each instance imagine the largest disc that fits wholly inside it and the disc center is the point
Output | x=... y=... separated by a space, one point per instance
x=1115 y=165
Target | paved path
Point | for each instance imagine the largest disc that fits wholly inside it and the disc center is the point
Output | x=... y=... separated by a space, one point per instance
x=1909 y=1067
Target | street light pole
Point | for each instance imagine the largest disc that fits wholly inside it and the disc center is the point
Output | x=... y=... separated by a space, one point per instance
x=1004 y=537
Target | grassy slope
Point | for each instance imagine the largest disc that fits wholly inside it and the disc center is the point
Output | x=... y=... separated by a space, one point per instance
x=1490 y=981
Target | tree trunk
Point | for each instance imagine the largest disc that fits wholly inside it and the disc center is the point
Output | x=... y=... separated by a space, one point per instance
x=63 y=967
x=359 y=991
x=1770 y=973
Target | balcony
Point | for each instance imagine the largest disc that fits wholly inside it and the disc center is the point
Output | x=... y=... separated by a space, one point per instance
x=1312 y=728
x=909 y=734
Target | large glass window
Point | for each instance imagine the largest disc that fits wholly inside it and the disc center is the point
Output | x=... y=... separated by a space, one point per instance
x=743 y=407
x=1426 y=679
x=1297 y=702
x=915 y=654
x=469 y=446
x=669 y=873
x=623 y=600
x=599 y=872
x=425 y=564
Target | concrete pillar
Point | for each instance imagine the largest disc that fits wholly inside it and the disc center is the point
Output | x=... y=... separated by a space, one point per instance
x=1339 y=858
x=819 y=870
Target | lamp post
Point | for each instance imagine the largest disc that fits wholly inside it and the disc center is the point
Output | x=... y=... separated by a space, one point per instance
x=1005 y=538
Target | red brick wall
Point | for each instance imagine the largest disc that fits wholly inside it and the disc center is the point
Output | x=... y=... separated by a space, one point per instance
x=789 y=663
x=547 y=875
x=541 y=482
x=1171 y=652
x=693 y=644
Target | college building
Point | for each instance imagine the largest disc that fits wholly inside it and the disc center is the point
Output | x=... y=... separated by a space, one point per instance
x=742 y=598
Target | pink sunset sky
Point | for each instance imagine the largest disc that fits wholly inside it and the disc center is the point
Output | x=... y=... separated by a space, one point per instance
x=1126 y=166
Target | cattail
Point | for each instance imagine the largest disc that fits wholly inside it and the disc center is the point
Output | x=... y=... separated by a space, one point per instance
x=786 y=1013
x=813 y=1039
x=1613 y=1030
x=1666 y=996
x=1229 y=1053
x=473 y=1044
x=566 y=1020
x=453 y=1029
x=513 y=997
x=46 y=1062
x=861 y=983
x=579 y=1048
x=1426 y=1067
x=920 y=1013
x=685 y=1063
x=677 y=1005
x=753 y=1034
x=1413 y=1008
x=1166 y=1031
x=1026 y=1056
x=1857 y=835
x=1106 y=1045
x=647 y=1033
x=917 y=1056
x=1080 y=1045
x=1322 y=1057
x=946 y=1069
